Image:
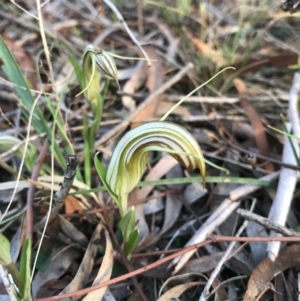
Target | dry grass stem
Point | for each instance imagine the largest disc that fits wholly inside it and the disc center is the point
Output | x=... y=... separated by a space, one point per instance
x=288 y=178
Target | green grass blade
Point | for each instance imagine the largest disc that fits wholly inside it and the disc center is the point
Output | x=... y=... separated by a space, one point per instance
x=87 y=152
x=25 y=289
x=14 y=74
x=179 y=181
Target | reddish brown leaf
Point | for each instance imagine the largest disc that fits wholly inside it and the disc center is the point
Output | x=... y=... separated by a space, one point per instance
x=72 y=205
x=256 y=123
x=268 y=269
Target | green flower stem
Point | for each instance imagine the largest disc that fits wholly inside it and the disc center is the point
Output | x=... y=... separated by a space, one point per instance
x=12 y=269
x=123 y=204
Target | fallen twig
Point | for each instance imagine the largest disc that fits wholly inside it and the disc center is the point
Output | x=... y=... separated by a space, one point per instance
x=61 y=195
x=266 y=223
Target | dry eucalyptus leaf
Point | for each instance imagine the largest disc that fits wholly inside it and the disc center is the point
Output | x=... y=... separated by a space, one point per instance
x=258 y=249
x=268 y=269
x=132 y=85
x=176 y=291
x=202 y=264
x=104 y=273
x=86 y=265
x=56 y=268
x=72 y=232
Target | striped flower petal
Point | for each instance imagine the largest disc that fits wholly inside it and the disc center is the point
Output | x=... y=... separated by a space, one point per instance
x=130 y=157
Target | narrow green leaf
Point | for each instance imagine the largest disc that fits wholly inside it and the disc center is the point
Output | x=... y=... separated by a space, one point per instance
x=291 y=142
x=284 y=132
x=102 y=174
x=25 y=270
x=127 y=224
x=14 y=74
x=8 y=142
x=77 y=70
x=133 y=241
x=87 y=152
x=5 y=257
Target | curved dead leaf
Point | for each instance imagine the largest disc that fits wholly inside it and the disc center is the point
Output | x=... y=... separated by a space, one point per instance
x=86 y=265
x=176 y=291
x=267 y=270
x=133 y=84
x=104 y=273
x=72 y=232
x=59 y=265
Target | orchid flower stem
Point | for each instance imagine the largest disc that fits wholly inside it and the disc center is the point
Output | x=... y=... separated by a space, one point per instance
x=123 y=204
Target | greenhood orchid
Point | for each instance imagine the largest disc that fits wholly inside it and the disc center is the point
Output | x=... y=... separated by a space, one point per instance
x=128 y=163
x=129 y=159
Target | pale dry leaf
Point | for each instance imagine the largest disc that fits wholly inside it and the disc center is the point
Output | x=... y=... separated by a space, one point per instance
x=17 y=241
x=176 y=291
x=160 y=169
x=86 y=265
x=72 y=232
x=202 y=264
x=207 y=51
x=258 y=249
x=194 y=192
x=155 y=205
x=154 y=82
x=132 y=85
x=179 y=279
x=124 y=74
x=104 y=273
x=165 y=106
x=173 y=202
x=172 y=212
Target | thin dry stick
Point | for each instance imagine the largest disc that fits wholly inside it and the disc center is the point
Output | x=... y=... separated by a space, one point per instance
x=218 y=217
x=69 y=176
x=139 y=10
x=131 y=35
x=117 y=130
x=266 y=223
x=32 y=189
x=61 y=195
x=210 y=239
x=288 y=178
x=216 y=271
